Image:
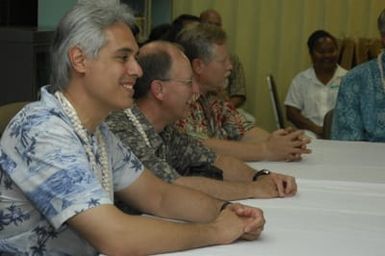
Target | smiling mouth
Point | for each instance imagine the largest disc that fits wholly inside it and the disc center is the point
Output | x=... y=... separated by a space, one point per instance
x=128 y=86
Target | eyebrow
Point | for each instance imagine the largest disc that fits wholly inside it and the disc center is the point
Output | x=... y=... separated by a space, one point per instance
x=126 y=50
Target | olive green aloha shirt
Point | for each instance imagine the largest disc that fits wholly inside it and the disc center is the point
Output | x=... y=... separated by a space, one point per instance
x=170 y=154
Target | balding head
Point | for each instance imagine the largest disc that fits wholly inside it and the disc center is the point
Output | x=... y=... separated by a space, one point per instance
x=211 y=16
x=156 y=59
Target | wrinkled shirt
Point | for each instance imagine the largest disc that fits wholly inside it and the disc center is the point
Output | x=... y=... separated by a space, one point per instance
x=212 y=117
x=46 y=178
x=359 y=114
x=313 y=98
x=170 y=154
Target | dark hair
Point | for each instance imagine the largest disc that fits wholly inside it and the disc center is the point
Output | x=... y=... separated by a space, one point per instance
x=156 y=65
x=135 y=29
x=178 y=24
x=315 y=36
x=158 y=32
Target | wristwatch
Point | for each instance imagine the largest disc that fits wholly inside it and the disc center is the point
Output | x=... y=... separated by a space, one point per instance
x=260 y=173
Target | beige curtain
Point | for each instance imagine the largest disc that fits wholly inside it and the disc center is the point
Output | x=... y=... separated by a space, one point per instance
x=270 y=37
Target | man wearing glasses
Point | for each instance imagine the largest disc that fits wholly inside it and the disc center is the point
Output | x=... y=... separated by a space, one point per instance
x=163 y=95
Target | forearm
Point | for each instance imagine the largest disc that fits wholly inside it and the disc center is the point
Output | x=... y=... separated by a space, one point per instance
x=301 y=122
x=223 y=190
x=169 y=200
x=124 y=234
x=188 y=204
x=241 y=150
x=234 y=169
x=255 y=134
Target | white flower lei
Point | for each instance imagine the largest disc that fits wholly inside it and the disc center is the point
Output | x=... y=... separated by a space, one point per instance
x=103 y=173
x=137 y=125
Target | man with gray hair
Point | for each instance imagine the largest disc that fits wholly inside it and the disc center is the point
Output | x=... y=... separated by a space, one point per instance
x=162 y=95
x=359 y=114
x=215 y=121
x=60 y=166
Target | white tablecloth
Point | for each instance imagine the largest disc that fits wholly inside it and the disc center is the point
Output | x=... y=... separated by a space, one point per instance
x=339 y=208
x=336 y=160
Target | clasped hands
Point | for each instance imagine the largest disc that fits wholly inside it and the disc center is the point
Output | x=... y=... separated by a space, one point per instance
x=274 y=185
x=287 y=145
x=239 y=221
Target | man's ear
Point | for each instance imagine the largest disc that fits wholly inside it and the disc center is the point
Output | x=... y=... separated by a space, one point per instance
x=157 y=91
x=77 y=59
x=197 y=66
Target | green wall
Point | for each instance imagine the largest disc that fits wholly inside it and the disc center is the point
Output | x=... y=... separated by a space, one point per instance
x=50 y=11
x=161 y=12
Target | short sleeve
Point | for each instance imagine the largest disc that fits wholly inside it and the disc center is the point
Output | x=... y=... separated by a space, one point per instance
x=51 y=167
x=294 y=97
x=126 y=166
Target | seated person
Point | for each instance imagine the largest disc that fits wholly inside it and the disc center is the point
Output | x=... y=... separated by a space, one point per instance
x=235 y=91
x=60 y=166
x=313 y=92
x=215 y=121
x=359 y=114
x=162 y=96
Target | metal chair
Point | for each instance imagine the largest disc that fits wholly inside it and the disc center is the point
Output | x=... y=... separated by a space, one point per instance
x=279 y=119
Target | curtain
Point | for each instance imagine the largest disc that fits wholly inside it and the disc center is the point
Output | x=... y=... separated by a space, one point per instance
x=270 y=37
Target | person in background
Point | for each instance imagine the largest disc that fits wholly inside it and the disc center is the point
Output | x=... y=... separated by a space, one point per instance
x=213 y=120
x=60 y=166
x=158 y=32
x=313 y=92
x=235 y=91
x=179 y=23
x=162 y=95
x=359 y=114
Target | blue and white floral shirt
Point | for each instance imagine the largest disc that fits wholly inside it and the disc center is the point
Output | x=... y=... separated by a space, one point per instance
x=46 y=178
x=359 y=114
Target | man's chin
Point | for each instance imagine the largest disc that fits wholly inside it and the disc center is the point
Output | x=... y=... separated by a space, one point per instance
x=129 y=104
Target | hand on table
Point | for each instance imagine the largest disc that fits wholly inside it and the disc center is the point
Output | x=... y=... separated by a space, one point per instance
x=240 y=221
x=274 y=185
x=287 y=145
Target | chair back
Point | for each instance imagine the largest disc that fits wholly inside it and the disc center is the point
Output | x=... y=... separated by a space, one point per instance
x=8 y=111
x=278 y=114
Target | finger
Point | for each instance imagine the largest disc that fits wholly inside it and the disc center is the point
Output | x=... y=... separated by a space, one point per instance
x=290 y=129
x=255 y=226
x=251 y=236
x=249 y=212
x=293 y=157
x=291 y=187
x=296 y=134
x=279 y=185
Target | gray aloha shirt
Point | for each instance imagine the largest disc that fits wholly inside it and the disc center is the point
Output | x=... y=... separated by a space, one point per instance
x=171 y=153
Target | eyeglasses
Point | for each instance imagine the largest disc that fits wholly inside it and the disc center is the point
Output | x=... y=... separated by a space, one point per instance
x=188 y=82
